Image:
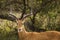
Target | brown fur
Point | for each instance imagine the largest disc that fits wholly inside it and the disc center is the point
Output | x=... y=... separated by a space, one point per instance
x=48 y=35
x=40 y=36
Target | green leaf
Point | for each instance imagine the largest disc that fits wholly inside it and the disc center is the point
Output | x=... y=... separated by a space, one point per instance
x=7 y=29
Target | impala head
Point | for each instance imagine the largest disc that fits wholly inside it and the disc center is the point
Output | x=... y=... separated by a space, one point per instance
x=20 y=24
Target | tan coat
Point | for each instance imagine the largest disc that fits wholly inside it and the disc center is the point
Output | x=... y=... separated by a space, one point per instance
x=48 y=35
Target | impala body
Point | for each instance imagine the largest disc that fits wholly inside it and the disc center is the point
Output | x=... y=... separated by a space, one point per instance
x=48 y=35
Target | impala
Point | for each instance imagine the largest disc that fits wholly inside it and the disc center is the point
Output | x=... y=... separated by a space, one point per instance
x=24 y=35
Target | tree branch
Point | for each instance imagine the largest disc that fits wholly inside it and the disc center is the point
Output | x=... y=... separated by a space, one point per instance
x=24 y=9
x=8 y=17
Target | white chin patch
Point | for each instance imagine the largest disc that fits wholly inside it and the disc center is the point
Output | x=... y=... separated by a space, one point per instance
x=20 y=29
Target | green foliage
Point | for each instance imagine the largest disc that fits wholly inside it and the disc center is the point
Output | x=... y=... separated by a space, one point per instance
x=7 y=30
x=48 y=22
